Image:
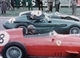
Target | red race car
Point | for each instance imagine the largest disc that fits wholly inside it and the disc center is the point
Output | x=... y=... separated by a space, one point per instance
x=14 y=45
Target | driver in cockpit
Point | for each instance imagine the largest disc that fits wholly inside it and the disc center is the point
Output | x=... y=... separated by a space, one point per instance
x=32 y=17
x=35 y=13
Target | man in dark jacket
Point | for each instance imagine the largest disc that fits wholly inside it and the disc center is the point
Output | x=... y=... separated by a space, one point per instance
x=57 y=5
x=17 y=3
x=24 y=3
x=40 y=4
x=3 y=6
x=30 y=5
x=13 y=3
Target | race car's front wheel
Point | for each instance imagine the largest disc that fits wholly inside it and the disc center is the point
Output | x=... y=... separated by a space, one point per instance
x=74 y=30
x=14 y=50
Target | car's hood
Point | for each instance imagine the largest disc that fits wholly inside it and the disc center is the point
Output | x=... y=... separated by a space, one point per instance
x=23 y=18
x=74 y=17
x=57 y=14
x=71 y=16
x=22 y=13
x=65 y=15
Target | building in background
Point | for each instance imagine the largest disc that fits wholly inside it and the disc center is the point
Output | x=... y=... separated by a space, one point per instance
x=63 y=3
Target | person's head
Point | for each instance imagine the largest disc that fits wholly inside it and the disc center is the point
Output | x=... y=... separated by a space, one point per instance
x=31 y=29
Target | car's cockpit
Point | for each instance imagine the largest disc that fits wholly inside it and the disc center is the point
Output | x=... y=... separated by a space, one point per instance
x=51 y=34
x=38 y=18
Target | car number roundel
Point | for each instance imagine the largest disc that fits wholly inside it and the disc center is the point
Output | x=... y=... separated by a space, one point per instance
x=4 y=38
x=58 y=42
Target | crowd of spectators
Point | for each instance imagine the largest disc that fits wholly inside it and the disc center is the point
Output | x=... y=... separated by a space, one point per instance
x=11 y=4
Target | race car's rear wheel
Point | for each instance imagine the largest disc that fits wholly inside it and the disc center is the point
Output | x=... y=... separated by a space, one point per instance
x=74 y=30
x=25 y=31
x=14 y=50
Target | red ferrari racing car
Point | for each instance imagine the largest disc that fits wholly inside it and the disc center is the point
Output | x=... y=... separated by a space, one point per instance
x=14 y=45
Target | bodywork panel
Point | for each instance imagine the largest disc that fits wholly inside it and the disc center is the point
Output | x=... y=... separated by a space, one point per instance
x=45 y=45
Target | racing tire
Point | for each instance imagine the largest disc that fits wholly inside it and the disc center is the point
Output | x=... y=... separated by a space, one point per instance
x=14 y=50
x=25 y=31
x=74 y=30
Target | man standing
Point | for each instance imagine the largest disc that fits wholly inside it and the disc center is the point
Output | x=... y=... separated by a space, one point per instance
x=24 y=3
x=9 y=6
x=50 y=4
x=13 y=4
x=30 y=5
x=17 y=3
x=74 y=4
x=57 y=5
x=40 y=4
x=3 y=6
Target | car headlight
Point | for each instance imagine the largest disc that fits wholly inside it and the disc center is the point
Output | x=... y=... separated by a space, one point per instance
x=11 y=20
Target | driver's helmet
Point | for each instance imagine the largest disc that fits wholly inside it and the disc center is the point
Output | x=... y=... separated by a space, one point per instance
x=36 y=13
x=31 y=29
